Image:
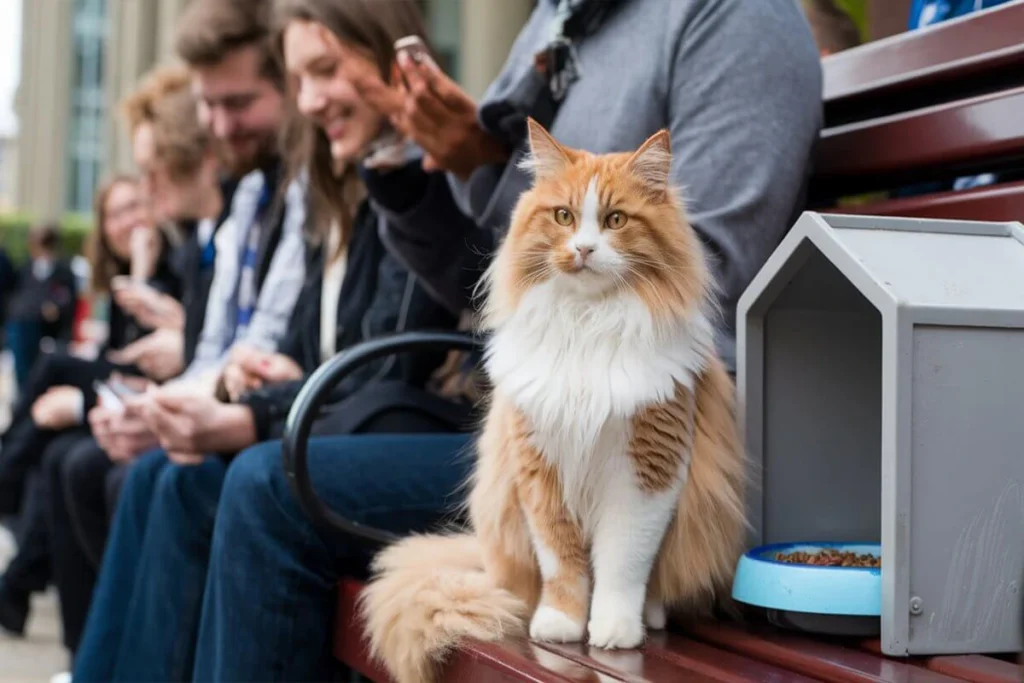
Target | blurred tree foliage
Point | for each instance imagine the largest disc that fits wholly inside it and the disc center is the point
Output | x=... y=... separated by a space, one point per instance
x=14 y=234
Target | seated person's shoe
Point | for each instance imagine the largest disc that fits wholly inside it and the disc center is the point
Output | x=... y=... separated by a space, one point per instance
x=13 y=610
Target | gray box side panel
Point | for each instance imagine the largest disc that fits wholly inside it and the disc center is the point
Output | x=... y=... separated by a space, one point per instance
x=967 y=501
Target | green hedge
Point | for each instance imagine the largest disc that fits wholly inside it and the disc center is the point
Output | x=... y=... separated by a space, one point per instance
x=14 y=234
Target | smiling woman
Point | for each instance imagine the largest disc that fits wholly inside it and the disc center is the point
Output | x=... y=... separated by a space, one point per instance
x=317 y=40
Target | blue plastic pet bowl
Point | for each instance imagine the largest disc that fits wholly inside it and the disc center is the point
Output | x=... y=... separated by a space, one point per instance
x=836 y=600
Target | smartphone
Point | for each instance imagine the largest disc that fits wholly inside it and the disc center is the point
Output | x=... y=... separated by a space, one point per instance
x=417 y=51
x=415 y=47
x=122 y=390
x=108 y=397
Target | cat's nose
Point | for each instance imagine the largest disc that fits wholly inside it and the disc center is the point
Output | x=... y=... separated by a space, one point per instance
x=584 y=250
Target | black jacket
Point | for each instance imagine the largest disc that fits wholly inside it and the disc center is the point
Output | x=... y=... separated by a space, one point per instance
x=378 y=296
x=194 y=264
x=122 y=328
x=8 y=282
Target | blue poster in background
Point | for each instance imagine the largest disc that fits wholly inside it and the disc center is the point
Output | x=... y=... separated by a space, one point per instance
x=927 y=12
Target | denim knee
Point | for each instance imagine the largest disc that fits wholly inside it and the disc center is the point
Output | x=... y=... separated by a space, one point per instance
x=252 y=479
x=189 y=491
x=141 y=478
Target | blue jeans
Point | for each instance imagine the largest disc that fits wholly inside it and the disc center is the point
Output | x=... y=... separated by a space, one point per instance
x=268 y=607
x=270 y=590
x=145 y=609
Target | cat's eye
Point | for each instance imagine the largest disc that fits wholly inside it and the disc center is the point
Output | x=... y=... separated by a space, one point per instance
x=563 y=216
x=615 y=220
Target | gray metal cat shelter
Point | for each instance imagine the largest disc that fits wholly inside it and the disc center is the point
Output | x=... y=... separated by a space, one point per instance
x=881 y=379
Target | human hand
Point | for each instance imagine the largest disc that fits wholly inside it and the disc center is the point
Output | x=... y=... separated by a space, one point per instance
x=251 y=368
x=145 y=251
x=50 y=312
x=160 y=354
x=187 y=426
x=442 y=118
x=58 y=408
x=150 y=308
x=123 y=434
x=433 y=111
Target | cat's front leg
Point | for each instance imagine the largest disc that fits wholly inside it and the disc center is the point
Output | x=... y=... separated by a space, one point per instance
x=627 y=536
x=640 y=498
x=561 y=614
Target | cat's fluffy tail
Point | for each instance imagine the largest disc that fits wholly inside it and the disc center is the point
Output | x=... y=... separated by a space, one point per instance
x=428 y=593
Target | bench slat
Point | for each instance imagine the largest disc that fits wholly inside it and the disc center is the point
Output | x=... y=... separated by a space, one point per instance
x=870 y=155
x=517 y=660
x=974 y=668
x=993 y=203
x=945 y=52
x=822 y=660
x=726 y=667
x=634 y=666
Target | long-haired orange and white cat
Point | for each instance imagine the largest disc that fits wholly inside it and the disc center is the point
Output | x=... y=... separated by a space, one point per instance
x=609 y=480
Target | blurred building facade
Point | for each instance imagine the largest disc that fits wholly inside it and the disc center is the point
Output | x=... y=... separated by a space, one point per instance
x=80 y=57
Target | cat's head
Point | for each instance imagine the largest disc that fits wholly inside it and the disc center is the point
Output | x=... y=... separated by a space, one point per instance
x=594 y=226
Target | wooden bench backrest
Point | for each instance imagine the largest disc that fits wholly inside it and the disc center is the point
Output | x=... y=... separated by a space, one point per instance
x=929 y=105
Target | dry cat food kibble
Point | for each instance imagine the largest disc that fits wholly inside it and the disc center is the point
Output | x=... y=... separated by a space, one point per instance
x=830 y=558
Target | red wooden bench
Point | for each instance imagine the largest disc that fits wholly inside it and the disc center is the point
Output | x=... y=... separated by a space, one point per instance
x=926 y=106
x=705 y=652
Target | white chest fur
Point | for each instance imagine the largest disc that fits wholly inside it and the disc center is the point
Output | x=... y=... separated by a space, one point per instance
x=580 y=369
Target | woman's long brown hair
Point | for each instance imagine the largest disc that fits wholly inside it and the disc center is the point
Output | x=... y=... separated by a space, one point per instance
x=104 y=263
x=373 y=26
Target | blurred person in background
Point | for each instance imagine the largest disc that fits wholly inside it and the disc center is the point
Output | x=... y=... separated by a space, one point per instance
x=43 y=305
x=234 y=106
x=182 y=175
x=184 y=186
x=259 y=268
x=61 y=388
x=8 y=283
x=355 y=291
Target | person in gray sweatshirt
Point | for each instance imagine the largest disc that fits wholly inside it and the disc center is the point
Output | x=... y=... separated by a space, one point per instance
x=737 y=83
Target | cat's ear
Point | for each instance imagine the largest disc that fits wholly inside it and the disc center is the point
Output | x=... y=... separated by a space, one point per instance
x=547 y=157
x=652 y=163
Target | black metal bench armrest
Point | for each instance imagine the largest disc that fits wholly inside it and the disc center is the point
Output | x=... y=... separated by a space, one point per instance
x=314 y=394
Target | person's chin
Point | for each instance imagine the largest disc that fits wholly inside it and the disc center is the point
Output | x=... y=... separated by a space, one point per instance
x=343 y=151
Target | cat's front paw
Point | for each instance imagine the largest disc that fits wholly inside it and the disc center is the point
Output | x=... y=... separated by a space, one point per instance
x=555 y=626
x=612 y=628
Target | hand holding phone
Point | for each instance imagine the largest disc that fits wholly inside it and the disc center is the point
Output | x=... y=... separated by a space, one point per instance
x=122 y=390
